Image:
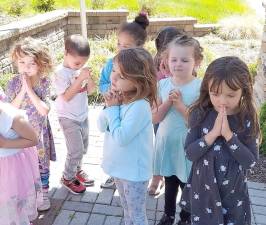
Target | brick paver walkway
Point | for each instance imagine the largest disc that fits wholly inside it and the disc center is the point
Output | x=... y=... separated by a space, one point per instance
x=101 y=206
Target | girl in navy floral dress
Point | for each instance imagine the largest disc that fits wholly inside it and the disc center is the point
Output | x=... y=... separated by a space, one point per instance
x=222 y=143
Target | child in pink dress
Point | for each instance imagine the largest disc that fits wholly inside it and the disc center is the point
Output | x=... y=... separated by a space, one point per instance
x=20 y=185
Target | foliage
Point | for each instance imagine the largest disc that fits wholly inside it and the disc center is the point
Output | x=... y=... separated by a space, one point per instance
x=253 y=68
x=206 y=11
x=16 y=8
x=4 y=78
x=240 y=27
x=208 y=57
x=147 y=6
x=262 y=117
x=97 y=4
x=43 y=5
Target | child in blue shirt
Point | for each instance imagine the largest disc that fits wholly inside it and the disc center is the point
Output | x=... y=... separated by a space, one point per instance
x=131 y=34
x=127 y=123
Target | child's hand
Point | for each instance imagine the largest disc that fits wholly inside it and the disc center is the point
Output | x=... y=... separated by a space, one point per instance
x=176 y=97
x=226 y=131
x=217 y=128
x=111 y=99
x=26 y=84
x=23 y=89
x=85 y=74
x=90 y=85
x=118 y=95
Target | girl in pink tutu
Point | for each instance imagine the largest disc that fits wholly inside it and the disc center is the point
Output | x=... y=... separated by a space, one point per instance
x=20 y=185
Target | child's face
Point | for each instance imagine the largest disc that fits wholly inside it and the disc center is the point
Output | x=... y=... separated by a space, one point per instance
x=226 y=97
x=119 y=83
x=125 y=41
x=27 y=65
x=181 y=61
x=74 y=61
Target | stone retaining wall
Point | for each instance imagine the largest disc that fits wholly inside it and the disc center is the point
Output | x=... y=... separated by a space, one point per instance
x=53 y=27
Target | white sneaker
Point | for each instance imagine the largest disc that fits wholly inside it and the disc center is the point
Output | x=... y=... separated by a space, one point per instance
x=46 y=204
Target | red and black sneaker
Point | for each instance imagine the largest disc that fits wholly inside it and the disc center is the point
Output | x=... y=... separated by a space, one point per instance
x=74 y=185
x=84 y=178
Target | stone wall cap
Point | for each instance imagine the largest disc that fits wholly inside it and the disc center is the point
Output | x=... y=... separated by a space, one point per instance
x=186 y=18
x=207 y=25
x=116 y=12
x=30 y=23
x=7 y=33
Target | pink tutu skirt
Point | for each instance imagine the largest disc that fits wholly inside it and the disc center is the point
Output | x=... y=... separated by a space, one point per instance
x=20 y=187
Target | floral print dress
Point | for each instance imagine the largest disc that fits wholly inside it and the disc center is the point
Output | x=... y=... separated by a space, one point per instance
x=45 y=147
x=216 y=192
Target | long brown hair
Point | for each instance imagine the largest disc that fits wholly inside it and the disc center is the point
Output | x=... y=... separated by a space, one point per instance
x=136 y=65
x=235 y=73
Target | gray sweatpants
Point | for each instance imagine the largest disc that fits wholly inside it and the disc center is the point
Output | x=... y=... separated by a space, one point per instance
x=133 y=200
x=77 y=141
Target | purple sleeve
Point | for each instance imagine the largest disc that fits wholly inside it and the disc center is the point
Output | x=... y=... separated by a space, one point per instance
x=13 y=88
x=45 y=89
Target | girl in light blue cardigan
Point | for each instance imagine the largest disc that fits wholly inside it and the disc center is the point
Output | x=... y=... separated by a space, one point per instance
x=127 y=123
x=130 y=35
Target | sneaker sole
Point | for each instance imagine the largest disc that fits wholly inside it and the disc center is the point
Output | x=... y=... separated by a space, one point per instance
x=88 y=184
x=43 y=209
x=108 y=187
x=73 y=192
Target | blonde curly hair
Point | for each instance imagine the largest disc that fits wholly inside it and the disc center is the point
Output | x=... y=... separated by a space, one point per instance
x=36 y=49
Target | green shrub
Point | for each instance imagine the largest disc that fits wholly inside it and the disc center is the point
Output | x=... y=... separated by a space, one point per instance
x=43 y=5
x=208 y=57
x=95 y=99
x=262 y=118
x=253 y=69
x=4 y=78
x=16 y=8
x=240 y=27
x=147 y=6
x=97 y=4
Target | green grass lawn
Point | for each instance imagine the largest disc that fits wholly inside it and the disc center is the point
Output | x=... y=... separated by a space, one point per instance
x=206 y=11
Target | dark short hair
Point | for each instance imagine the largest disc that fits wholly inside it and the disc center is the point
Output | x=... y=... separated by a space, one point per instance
x=136 y=29
x=165 y=36
x=77 y=45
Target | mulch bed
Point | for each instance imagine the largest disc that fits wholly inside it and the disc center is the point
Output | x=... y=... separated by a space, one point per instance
x=258 y=173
